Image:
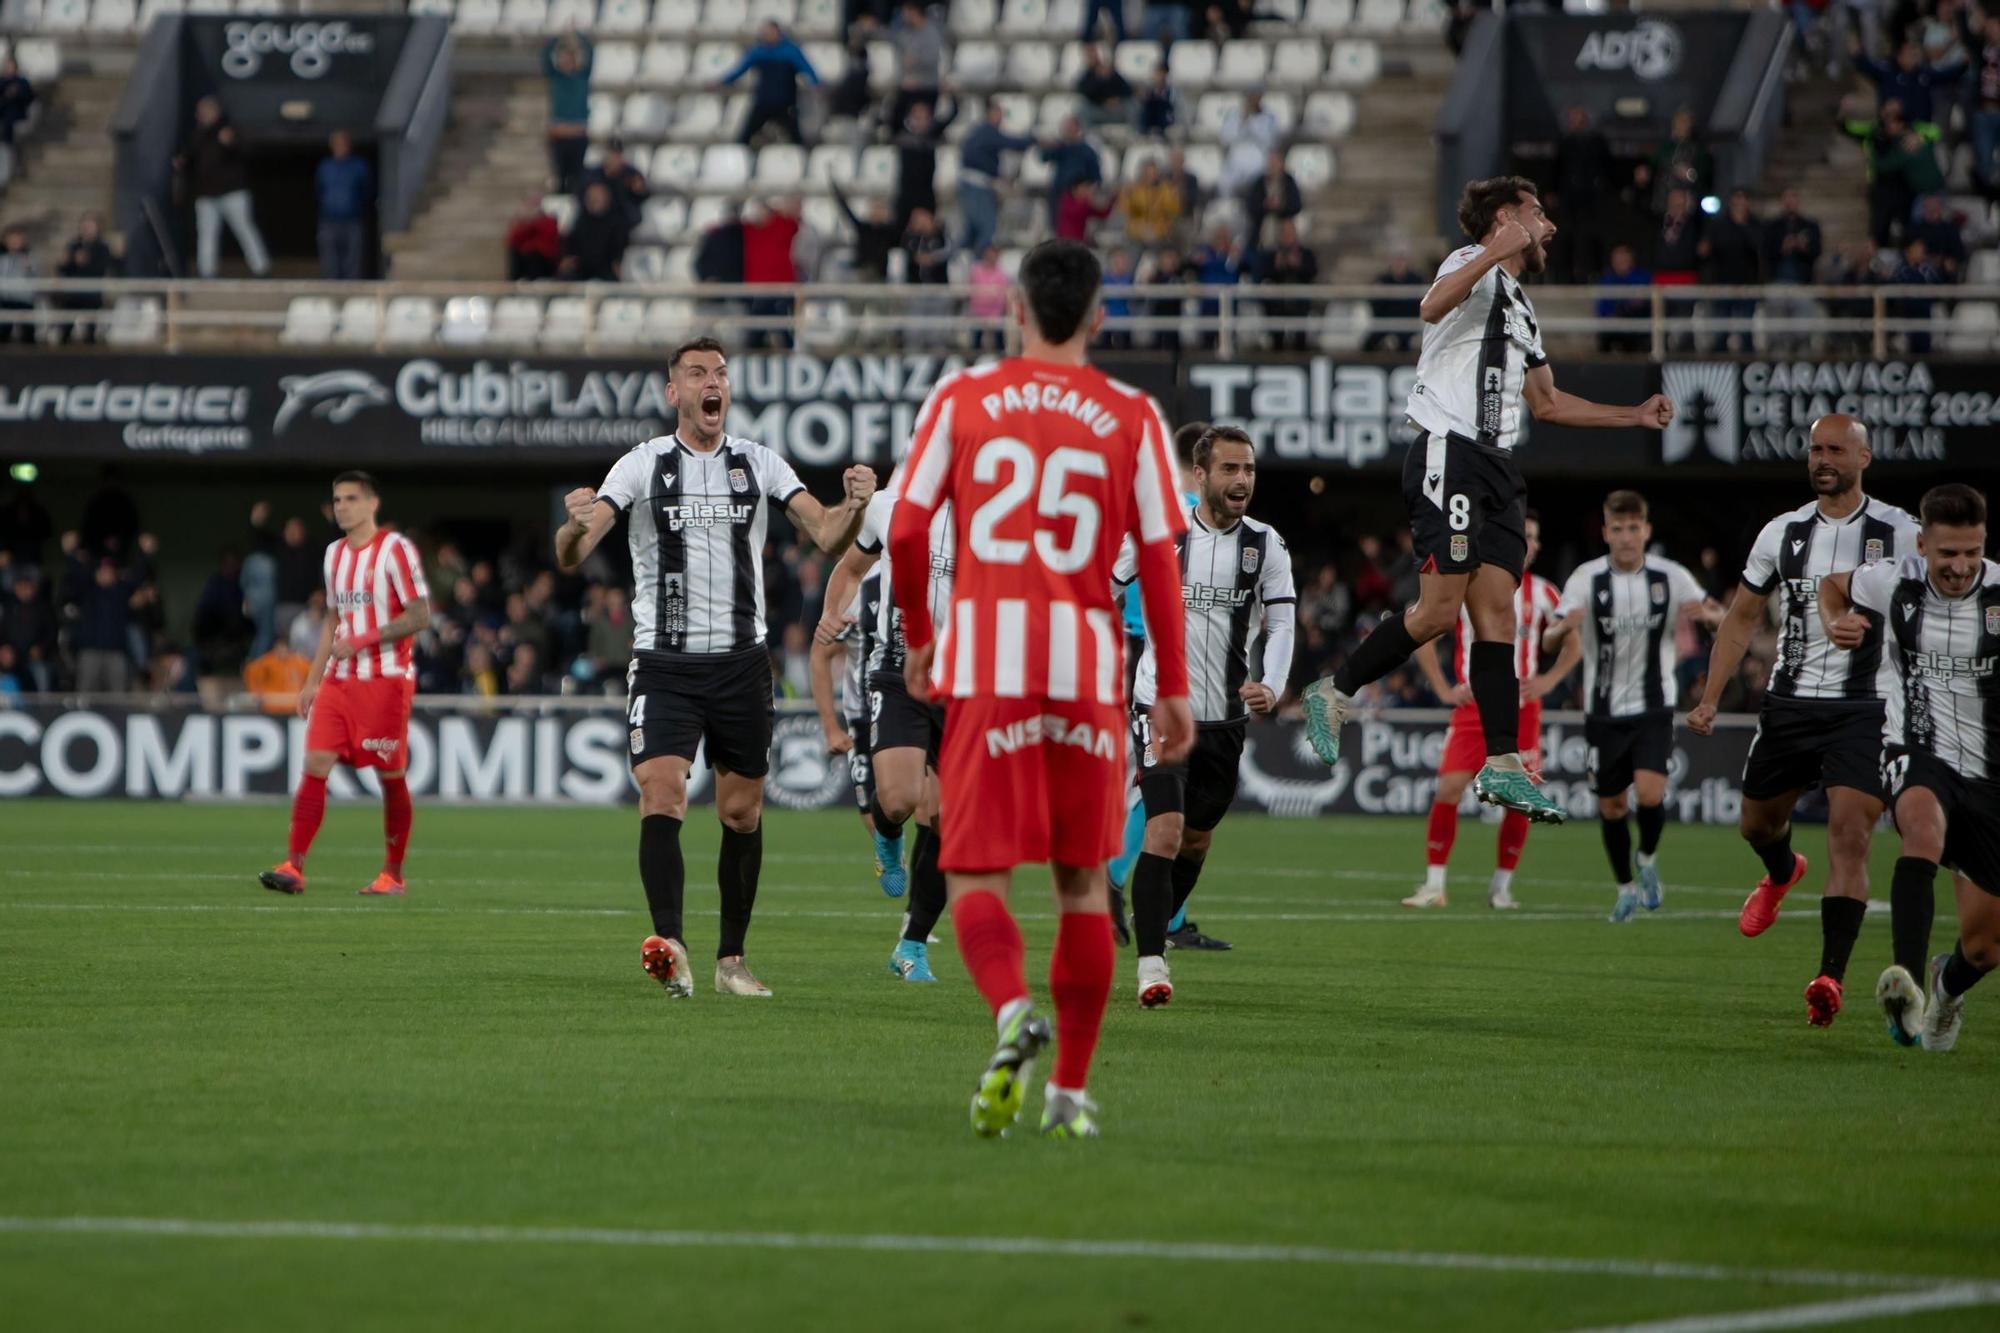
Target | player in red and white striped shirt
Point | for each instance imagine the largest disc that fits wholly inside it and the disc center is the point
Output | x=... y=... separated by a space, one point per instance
x=357 y=696
x=1535 y=604
x=1048 y=465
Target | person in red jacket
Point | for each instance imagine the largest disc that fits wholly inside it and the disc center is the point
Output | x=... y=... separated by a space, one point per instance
x=1077 y=210
x=534 y=242
x=769 y=233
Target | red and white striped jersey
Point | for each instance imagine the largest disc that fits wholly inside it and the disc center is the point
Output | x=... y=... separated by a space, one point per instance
x=1535 y=604
x=1047 y=468
x=365 y=590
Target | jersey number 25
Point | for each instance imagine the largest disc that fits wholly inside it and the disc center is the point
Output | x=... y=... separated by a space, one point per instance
x=1052 y=501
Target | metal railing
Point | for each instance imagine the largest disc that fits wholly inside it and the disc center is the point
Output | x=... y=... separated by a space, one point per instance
x=181 y=315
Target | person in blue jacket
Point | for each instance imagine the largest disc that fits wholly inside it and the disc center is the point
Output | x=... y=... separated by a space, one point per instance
x=779 y=65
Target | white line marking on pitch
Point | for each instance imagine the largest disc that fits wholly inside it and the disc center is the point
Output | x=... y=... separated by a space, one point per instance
x=1962 y=1296
x=1057 y=1247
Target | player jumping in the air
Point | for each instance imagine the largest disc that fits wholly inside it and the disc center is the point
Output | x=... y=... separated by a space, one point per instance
x=1821 y=723
x=696 y=505
x=357 y=696
x=1628 y=605
x=1465 y=743
x=1236 y=586
x=1048 y=465
x=1482 y=354
x=1940 y=612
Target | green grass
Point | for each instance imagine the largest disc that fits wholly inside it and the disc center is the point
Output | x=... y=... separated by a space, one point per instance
x=176 y=1043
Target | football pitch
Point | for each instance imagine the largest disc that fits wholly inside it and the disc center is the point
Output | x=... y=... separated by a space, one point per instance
x=225 y=1109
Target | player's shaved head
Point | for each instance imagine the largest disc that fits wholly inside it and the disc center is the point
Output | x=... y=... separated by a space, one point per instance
x=1837 y=454
x=1838 y=427
x=1059 y=281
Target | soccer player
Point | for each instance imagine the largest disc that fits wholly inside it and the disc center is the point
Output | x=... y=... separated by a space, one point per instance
x=1482 y=354
x=1236 y=578
x=907 y=732
x=1048 y=464
x=1627 y=605
x=845 y=725
x=696 y=509
x=1465 y=743
x=1821 y=723
x=356 y=699
x=1937 y=615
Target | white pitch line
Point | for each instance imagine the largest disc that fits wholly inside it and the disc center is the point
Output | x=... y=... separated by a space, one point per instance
x=1054 y=1247
x=1960 y=1296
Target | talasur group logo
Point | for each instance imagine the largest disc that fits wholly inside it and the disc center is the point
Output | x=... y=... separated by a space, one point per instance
x=1707 y=422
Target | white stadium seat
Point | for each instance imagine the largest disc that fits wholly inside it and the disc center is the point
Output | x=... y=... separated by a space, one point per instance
x=712 y=60
x=676 y=18
x=1069 y=62
x=1137 y=61
x=64 y=16
x=698 y=116
x=829 y=61
x=643 y=264
x=1426 y=17
x=524 y=18
x=977 y=64
x=309 y=321
x=1284 y=109
x=784 y=13
x=706 y=212
x=431 y=9
x=1211 y=110
x=410 y=321
x=1983 y=269
x=1025 y=18
x=562 y=207
x=663 y=219
x=882 y=72
x=1065 y=16
x=1345 y=327
x=467 y=321
x=677 y=165
x=1329 y=115
x=781 y=169
x=1191 y=65
x=822 y=217
x=567 y=14
x=726 y=167
x=135 y=321
x=621 y=322
x=1354 y=61
x=517 y=320
x=474 y=18
x=1033 y=65
x=622 y=18
x=1328 y=17
x=1311 y=165
x=566 y=323
x=723 y=17
x=40 y=59
x=831 y=164
x=113 y=16
x=360 y=322
x=645 y=116
x=820 y=18
x=669 y=319
x=1137 y=156
x=1974 y=327
x=605 y=110
x=1378 y=16
x=1243 y=65
x=1035 y=173
x=1298 y=64
x=877 y=170
x=973 y=18
x=615 y=65
x=1204 y=161
x=1056 y=108
x=680 y=266
x=1017 y=112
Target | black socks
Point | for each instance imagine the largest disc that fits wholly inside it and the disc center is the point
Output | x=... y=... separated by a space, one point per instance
x=1497 y=691
x=1839 y=925
x=926 y=886
x=887 y=827
x=736 y=871
x=1912 y=901
x=662 y=872
x=1960 y=974
x=1779 y=861
x=1187 y=870
x=1152 y=903
x=1652 y=823
x=1618 y=847
x=1387 y=648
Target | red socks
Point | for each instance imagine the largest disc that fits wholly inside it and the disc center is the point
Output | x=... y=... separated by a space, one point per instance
x=308 y=809
x=1080 y=982
x=1513 y=837
x=395 y=824
x=1443 y=831
x=990 y=943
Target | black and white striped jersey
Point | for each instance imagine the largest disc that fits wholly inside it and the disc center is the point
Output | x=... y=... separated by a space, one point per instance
x=696 y=522
x=1628 y=628
x=1236 y=584
x=1941 y=662
x=859 y=638
x=1791 y=555
x=886 y=646
x=1475 y=360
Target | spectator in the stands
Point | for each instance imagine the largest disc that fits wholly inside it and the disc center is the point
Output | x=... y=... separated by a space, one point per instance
x=1222 y=21
x=1984 y=47
x=987 y=305
x=1071 y=159
x=594 y=250
x=1106 y=98
x=306 y=625
x=1909 y=80
x=28 y=626
x=852 y=97
x=875 y=236
x=1943 y=33
x=1079 y=211
x=1677 y=260
x=1216 y=263
x=86 y=256
x=1399 y=273
x=1119 y=277
x=1902 y=168
x=1852 y=266
x=1944 y=240
x=919 y=44
x=980 y=171
x=534 y=242
x=1169 y=269
x=928 y=250
x=1186 y=184
x=626 y=182
x=916 y=158
x=100 y=636
x=1167 y=22
x=218 y=180
x=1152 y=207
x=276 y=676
x=610 y=636
x=566 y=64
x=1791 y=255
x=344 y=185
x=1732 y=251
x=1583 y=182
x=718 y=256
x=779 y=64
x=481 y=678
x=1624 y=272
x=18 y=271
x=1249 y=136
x=1289 y=262
x=1682 y=162
x=1269 y=200
x=1918 y=269
x=1463 y=12
x=1162 y=109
x=525 y=628
x=1100 y=14
x=25 y=528
x=222 y=633
x=524 y=671
x=17 y=97
x=769 y=234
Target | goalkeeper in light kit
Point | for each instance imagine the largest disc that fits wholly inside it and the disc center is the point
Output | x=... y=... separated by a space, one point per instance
x=1048 y=465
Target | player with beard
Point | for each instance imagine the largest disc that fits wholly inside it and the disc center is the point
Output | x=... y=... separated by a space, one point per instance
x=697 y=505
x=1482 y=355
x=1821 y=723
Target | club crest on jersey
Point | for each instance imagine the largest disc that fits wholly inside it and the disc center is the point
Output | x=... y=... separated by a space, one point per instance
x=739 y=480
x=1871 y=550
x=1461 y=548
x=1993 y=620
x=1659 y=594
x=1250 y=554
x=638 y=740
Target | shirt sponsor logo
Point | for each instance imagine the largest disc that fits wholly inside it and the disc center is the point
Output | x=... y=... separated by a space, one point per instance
x=1204 y=597
x=704 y=514
x=353 y=601
x=1946 y=666
x=383 y=747
x=1052 y=730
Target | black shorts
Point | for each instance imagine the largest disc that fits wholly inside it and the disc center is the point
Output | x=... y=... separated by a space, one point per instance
x=1468 y=506
x=1623 y=746
x=1200 y=788
x=721 y=700
x=1803 y=744
x=1971 y=812
x=900 y=722
x=860 y=761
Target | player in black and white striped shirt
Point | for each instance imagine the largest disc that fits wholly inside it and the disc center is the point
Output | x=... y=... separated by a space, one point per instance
x=1940 y=612
x=843 y=708
x=1821 y=724
x=1236 y=585
x=1482 y=356
x=1627 y=605
x=694 y=504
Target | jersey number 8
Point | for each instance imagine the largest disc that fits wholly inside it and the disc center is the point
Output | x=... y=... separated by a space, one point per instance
x=1051 y=501
x=1460 y=511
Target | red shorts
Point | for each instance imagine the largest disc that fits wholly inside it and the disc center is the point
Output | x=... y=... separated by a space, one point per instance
x=1465 y=743
x=364 y=722
x=1030 y=781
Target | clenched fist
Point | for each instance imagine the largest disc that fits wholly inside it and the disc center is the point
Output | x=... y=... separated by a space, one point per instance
x=1510 y=240
x=1656 y=413
x=581 y=503
x=858 y=483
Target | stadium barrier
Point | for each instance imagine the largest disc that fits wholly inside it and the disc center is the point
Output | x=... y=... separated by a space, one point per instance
x=575 y=751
